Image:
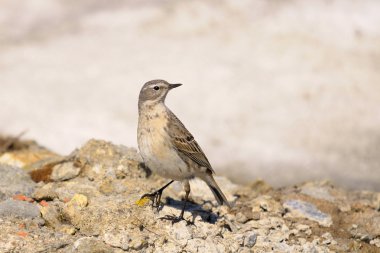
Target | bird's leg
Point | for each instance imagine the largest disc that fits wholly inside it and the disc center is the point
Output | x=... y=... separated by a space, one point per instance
x=175 y=219
x=156 y=196
x=187 y=192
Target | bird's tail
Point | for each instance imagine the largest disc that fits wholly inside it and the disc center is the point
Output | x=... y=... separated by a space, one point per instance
x=218 y=194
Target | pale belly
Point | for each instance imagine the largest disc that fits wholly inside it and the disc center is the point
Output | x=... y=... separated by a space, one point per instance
x=157 y=151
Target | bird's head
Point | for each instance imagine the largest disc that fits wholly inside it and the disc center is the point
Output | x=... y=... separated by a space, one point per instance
x=155 y=91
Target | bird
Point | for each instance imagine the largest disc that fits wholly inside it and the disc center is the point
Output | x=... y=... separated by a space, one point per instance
x=168 y=148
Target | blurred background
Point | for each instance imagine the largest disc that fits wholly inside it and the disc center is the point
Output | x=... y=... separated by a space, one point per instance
x=285 y=91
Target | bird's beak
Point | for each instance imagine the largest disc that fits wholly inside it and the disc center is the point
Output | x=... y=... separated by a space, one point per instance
x=174 y=85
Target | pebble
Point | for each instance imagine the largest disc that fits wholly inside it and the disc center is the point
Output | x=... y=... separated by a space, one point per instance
x=299 y=208
x=67 y=229
x=250 y=239
x=375 y=242
x=20 y=209
x=64 y=171
x=46 y=192
x=51 y=215
x=328 y=239
x=181 y=232
x=77 y=203
x=119 y=239
x=317 y=190
x=89 y=245
x=14 y=180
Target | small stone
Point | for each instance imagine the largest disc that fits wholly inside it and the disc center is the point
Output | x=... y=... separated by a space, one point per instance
x=285 y=229
x=127 y=167
x=255 y=216
x=299 y=208
x=368 y=226
x=278 y=236
x=106 y=187
x=318 y=190
x=365 y=238
x=169 y=247
x=241 y=250
x=89 y=245
x=266 y=203
x=51 y=215
x=240 y=217
x=250 y=239
x=74 y=206
x=138 y=242
x=46 y=192
x=375 y=242
x=213 y=246
x=13 y=181
x=310 y=247
x=119 y=239
x=302 y=240
x=344 y=207
x=39 y=221
x=239 y=238
x=328 y=239
x=66 y=190
x=180 y=232
x=79 y=200
x=21 y=209
x=233 y=247
x=64 y=171
x=282 y=247
x=374 y=225
x=302 y=227
x=293 y=232
x=196 y=245
x=67 y=229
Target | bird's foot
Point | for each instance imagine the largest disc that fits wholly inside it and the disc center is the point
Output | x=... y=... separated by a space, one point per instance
x=175 y=219
x=155 y=197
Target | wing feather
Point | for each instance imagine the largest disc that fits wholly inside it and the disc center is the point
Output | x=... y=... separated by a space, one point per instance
x=185 y=143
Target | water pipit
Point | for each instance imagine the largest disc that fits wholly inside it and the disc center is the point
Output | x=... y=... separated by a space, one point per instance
x=167 y=147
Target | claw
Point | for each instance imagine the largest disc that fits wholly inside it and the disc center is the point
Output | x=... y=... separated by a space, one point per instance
x=155 y=197
x=175 y=219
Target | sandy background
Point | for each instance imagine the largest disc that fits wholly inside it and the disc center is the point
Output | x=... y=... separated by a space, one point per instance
x=280 y=90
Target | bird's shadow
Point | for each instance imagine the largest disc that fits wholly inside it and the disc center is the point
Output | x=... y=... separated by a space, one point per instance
x=195 y=210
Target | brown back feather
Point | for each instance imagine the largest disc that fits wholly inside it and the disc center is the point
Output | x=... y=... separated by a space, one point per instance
x=185 y=143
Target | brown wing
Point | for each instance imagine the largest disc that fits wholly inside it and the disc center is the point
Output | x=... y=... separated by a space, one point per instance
x=185 y=143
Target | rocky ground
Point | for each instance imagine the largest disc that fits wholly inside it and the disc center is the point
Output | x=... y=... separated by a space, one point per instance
x=88 y=202
x=288 y=87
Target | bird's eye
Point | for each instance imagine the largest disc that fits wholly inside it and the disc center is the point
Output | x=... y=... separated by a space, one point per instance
x=156 y=87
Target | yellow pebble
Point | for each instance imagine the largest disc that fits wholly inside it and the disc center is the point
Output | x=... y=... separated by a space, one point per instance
x=142 y=202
